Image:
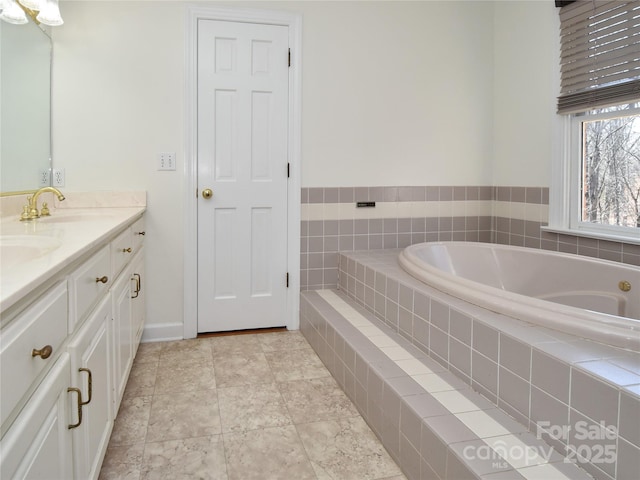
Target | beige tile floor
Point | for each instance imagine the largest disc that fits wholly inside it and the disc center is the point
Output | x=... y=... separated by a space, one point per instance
x=257 y=406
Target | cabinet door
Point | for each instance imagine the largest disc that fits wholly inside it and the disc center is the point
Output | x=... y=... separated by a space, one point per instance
x=91 y=373
x=121 y=337
x=38 y=445
x=138 y=289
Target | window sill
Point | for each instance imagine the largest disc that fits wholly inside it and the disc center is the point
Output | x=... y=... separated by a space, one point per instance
x=596 y=235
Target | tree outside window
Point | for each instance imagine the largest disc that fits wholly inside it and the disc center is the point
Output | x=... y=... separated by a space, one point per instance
x=611 y=167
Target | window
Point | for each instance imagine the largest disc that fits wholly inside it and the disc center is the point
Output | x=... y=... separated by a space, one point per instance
x=605 y=153
x=596 y=188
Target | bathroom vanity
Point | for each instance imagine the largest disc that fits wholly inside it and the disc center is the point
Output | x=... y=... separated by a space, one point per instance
x=72 y=303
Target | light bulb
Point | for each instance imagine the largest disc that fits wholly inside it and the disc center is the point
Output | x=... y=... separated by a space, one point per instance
x=50 y=13
x=12 y=13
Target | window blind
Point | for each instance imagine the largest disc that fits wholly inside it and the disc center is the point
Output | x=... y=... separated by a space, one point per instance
x=599 y=54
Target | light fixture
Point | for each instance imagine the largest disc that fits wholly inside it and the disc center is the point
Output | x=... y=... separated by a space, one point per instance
x=32 y=4
x=46 y=12
x=50 y=13
x=12 y=12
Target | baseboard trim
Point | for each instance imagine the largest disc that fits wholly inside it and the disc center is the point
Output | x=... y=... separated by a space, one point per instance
x=162 y=332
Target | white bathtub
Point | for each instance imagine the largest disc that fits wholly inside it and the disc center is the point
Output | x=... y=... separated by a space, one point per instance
x=569 y=293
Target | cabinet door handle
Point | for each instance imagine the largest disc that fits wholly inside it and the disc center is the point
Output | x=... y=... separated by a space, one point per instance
x=104 y=279
x=126 y=250
x=44 y=352
x=141 y=233
x=79 y=393
x=135 y=293
x=136 y=277
x=138 y=283
x=90 y=383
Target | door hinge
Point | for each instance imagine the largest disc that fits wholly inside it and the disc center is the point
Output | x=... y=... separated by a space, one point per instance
x=287 y=279
x=289 y=57
x=196 y=193
x=288 y=170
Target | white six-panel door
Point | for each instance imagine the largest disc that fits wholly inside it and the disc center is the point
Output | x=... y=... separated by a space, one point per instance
x=242 y=159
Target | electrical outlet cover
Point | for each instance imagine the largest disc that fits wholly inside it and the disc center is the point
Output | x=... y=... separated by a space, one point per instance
x=44 y=178
x=58 y=177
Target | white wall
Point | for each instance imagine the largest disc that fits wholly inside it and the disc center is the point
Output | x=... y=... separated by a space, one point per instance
x=397 y=93
x=394 y=93
x=525 y=89
x=384 y=84
x=117 y=100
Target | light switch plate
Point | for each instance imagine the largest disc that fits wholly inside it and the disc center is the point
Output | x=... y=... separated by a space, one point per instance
x=167 y=161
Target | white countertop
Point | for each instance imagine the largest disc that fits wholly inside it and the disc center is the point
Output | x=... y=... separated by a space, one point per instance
x=77 y=230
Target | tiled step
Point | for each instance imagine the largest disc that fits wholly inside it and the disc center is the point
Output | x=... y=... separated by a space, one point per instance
x=433 y=424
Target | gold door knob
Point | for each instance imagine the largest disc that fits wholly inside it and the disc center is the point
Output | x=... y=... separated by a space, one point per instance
x=104 y=279
x=126 y=250
x=207 y=193
x=44 y=352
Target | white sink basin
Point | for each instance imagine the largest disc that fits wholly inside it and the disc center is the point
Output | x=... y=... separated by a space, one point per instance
x=17 y=249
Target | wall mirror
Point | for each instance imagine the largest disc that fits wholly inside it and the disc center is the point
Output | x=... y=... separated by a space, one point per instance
x=25 y=107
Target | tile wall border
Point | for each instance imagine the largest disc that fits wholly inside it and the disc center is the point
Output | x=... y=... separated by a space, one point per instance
x=331 y=223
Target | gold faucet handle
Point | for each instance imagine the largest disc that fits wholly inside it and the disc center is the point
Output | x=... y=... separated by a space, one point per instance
x=25 y=213
x=33 y=207
x=44 y=211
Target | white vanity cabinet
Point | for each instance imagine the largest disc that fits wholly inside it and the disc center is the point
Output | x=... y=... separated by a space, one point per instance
x=138 y=294
x=88 y=284
x=39 y=443
x=122 y=337
x=66 y=355
x=29 y=347
x=91 y=373
x=127 y=305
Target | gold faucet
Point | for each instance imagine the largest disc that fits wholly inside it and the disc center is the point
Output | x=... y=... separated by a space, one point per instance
x=30 y=211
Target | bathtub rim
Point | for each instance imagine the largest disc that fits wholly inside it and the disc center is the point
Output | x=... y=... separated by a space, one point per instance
x=621 y=332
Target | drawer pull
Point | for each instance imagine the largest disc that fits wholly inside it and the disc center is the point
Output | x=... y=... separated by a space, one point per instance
x=104 y=279
x=77 y=391
x=126 y=250
x=44 y=353
x=141 y=233
x=90 y=383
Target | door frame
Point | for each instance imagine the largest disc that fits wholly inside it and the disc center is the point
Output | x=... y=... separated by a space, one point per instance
x=294 y=22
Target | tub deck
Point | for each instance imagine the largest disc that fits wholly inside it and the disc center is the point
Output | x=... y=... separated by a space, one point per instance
x=537 y=376
x=432 y=424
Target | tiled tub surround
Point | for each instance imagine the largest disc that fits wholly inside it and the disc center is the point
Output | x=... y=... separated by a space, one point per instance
x=546 y=380
x=331 y=223
x=433 y=424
